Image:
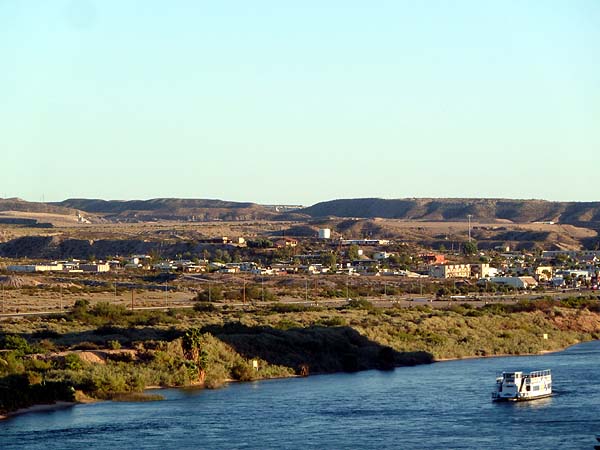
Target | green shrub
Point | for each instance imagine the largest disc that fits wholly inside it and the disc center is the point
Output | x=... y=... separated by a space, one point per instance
x=17 y=343
x=360 y=303
x=114 y=345
x=204 y=307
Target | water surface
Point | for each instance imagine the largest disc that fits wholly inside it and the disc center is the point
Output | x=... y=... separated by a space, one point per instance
x=444 y=405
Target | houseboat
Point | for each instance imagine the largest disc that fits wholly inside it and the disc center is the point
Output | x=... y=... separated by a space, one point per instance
x=519 y=386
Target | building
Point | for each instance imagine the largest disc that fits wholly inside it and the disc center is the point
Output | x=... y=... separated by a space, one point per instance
x=433 y=258
x=286 y=242
x=543 y=273
x=515 y=282
x=379 y=256
x=98 y=268
x=324 y=233
x=576 y=274
x=483 y=271
x=53 y=267
x=550 y=254
x=450 y=271
x=364 y=242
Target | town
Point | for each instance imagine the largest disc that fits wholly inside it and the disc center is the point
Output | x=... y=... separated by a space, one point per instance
x=323 y=268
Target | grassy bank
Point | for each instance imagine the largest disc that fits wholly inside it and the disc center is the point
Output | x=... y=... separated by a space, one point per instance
x=107 y=352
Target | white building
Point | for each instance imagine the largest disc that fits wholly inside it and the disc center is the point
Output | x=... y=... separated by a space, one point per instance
x=324 y=233
x=379 y=256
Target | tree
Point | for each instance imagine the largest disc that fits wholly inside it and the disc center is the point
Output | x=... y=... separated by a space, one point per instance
x=329 y=260
x=470 y=247
x=196 y=355
x=352 y=252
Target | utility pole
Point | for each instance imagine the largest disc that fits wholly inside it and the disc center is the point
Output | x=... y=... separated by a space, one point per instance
x=60 y=301
x=306 y=290
x=244 y=293
x=166 y=294
x=347 y=282
x=3 y=300
x=262 y=287
x=115 y=292
x=132 y=299
x=469 y=217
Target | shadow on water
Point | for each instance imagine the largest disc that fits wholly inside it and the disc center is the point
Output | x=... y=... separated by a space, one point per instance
x=314 y=349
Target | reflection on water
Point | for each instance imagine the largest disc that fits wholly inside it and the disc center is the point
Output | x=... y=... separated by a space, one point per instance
x=446 y=405
x=535 y=404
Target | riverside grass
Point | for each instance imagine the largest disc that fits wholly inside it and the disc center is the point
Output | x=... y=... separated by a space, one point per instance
x=48 y=359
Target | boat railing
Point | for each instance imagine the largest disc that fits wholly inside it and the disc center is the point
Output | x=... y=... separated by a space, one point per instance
x=539 y=373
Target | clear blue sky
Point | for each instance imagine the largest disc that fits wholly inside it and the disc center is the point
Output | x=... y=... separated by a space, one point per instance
x=300 y=101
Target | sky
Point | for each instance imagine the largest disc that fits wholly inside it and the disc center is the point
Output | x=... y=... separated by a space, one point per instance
x=297 y=102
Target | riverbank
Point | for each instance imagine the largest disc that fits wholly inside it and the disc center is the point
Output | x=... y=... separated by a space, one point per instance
x=38 y=408
x=47 y=359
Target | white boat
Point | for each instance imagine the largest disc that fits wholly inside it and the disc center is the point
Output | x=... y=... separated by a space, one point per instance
x=519 y=386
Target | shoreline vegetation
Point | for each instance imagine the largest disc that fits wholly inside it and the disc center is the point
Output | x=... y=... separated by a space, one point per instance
x=106 y=352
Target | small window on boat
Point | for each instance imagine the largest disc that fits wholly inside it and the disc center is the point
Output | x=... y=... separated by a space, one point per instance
x=536 y=388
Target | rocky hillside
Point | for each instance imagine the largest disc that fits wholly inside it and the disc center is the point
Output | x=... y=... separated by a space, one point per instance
x=427 y=209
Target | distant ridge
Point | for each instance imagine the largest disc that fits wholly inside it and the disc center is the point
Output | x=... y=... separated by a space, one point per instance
x=171 y=209
x=417 y=209
x=432 y=209
x=17 y=204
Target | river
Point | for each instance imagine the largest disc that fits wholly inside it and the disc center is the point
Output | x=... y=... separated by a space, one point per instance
x=444 y=405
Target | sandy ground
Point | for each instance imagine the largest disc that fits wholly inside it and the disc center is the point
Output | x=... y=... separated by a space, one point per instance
x=16 y=301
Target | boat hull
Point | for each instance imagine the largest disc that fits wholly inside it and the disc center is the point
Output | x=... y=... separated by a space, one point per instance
x=520 y=399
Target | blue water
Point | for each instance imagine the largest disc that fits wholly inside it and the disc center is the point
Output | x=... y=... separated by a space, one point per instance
x=444 y=405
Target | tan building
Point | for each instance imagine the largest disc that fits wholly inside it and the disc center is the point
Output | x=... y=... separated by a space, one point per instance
x=481 y=270
x=450 y=271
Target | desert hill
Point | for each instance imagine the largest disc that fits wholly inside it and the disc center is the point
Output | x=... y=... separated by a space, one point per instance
x=488 y=210
x=18 y=205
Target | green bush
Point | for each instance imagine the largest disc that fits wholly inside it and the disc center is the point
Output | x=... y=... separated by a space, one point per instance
x=360 y=303
x=17 y=343
x=242 y=371
x=114 y=345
